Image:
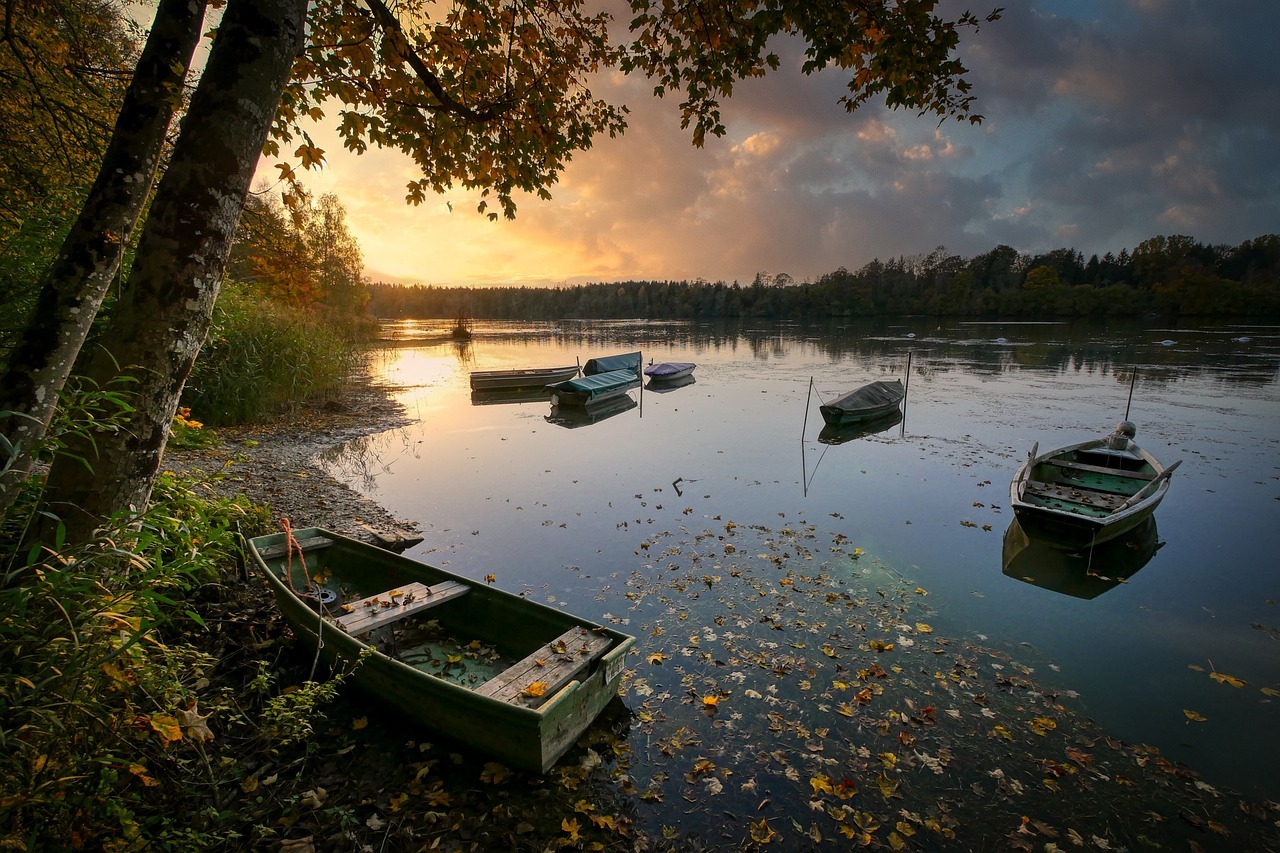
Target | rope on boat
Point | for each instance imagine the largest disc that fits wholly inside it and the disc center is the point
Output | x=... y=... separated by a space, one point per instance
x=292 y=544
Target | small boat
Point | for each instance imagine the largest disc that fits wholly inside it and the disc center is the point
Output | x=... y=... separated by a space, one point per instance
x=593 y=389
x=669 y=371
x=503 y=396
x=870 y=401
x=859 y=429
x=609 y=363
x=528 y=377
x=506 y=675
x=1083 y=573
x=1089 y=492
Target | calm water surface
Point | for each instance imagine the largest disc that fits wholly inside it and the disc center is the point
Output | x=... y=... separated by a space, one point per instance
x=560 y=510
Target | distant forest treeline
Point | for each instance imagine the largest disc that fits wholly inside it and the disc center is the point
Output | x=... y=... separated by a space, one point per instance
x=1164 y=275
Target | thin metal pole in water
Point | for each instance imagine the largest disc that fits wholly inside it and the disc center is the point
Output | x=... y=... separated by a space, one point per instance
x=807 y=398
x=1132 y=378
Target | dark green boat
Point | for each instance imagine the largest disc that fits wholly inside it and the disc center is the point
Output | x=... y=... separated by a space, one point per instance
x=508 y=676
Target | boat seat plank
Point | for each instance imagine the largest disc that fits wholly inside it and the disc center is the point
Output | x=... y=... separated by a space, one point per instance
x=1100 y=469
x=311 y=543
x=387 y=607
x=1067 y=493
x=554 y=665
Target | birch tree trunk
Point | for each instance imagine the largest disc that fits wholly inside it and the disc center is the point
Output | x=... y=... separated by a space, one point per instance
x=72 y=289
x=165 y=311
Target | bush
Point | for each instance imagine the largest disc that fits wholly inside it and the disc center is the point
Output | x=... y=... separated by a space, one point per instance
x=262 y=357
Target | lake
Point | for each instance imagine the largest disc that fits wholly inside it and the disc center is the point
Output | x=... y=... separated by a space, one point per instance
x=648 y=516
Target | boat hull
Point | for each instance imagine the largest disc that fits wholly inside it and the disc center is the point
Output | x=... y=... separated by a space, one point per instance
x=871 y=401
x=608 y=363
x=592 y=390
x=524 y=737
x=520 y=379
x=669 y=371
x=1084 y=494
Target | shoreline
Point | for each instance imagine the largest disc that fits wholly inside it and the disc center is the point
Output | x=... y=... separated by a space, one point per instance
x=274 y=463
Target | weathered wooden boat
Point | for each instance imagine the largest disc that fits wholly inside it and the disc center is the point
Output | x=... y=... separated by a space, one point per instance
x=873 y=400
x=508 y=676
x=669 y=371
x=520 y=378
x=1089 y=492
x=840 y=434
x=608 y=363
x=572 y=417
x=593 y=389
x=1081 y=573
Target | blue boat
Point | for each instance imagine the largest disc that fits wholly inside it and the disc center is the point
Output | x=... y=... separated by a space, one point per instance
x=669 y=371
x=593 y=389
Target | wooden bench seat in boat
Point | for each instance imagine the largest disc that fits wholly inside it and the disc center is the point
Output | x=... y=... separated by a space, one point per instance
x=387 y=607
x=311 y=543
x=1100 y=469
x=1066 y=492
x=554 y=665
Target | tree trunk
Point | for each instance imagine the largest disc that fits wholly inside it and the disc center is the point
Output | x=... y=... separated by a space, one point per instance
x=72 y=289
x=166 y=309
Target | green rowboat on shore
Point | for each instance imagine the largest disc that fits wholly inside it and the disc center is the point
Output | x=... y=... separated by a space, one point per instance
x=508 y=676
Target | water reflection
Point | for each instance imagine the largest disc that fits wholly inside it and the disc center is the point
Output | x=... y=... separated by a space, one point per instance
x=665 y=385
x=1086 y=573
x=850 y=432
x=501 y=396
x=572 y=417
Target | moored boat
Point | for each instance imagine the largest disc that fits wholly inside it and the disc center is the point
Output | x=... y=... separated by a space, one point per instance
x=608 y=363
x=519 y=378
x=873 y=400
x=669 y=371
x=593 y=389
x=1089 y=492
x=859 y=429
x=509 y=676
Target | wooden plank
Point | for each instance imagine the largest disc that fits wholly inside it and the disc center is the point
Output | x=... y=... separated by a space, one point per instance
x=554 y=665
x=1100 y=469
x=311 y=543
x=387 y=607
x=1063 y=491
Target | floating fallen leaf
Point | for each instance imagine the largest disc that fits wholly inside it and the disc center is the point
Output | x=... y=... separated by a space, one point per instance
x=657 y=658
x=490 y=578
x=1193 y=716
x=1270 y=691
x=1226 y=679
x=762 y=833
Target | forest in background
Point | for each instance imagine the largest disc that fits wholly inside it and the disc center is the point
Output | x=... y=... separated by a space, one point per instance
x=1170 y=276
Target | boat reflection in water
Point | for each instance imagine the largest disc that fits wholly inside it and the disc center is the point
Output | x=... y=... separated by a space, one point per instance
x=662 y=386
x=1083 y=573
x=849 y=432
x=571 y=417
x=514 y=395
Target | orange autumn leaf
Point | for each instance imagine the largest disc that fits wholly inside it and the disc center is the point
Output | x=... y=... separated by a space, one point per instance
x=535 y=689
x=1194 y=717
x=762 y=833
x=167 y=728
x=1226 y=679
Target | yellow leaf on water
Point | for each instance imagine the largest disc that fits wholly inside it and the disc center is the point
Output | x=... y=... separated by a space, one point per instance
x=657 y=657
x=924 y=628
x=1270 y=691
x=1193 y=716
x=762 y=833
x=1226 y=679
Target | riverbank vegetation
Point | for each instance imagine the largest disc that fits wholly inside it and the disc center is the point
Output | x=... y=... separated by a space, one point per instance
x=1170 y=276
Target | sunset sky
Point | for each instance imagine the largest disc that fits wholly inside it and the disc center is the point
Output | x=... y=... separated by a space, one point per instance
x=1107 y=123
